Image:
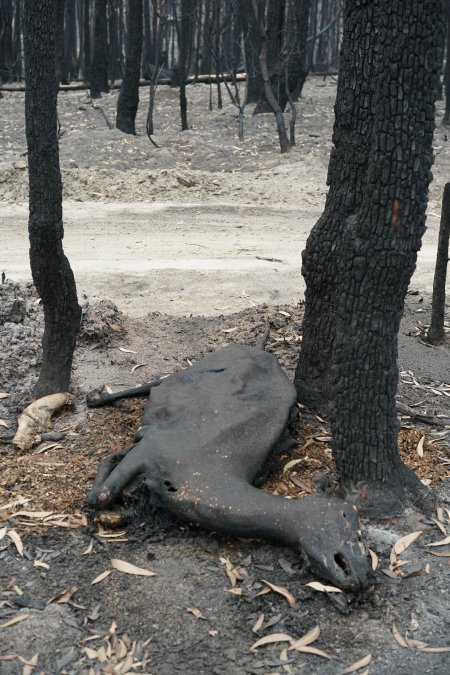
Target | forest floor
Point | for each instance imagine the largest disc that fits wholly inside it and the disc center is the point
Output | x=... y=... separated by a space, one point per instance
x=197 y=243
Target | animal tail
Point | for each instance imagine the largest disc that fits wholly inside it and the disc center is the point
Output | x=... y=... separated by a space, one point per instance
x=261 y=344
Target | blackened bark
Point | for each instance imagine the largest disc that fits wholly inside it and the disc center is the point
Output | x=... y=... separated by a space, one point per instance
x=263 y=64
x=60 y=66
x=128 y=100
x=361 y=254
x=436 y=332
x=252 y=48
x=446 y=118
x=86 y=41
x=50 y=268
x=99 y=65
x=70 y=39
x=184 y=40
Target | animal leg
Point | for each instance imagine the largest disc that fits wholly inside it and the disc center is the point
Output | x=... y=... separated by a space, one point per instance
x=99 y=397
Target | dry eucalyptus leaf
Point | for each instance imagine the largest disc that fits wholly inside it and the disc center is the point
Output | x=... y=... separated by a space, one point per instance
x=196 y=612
x=313 y=650
x=17 y=541
x=442 y=542
x=290 y=464
x=258 y=624
x=357 y=665
x=235 y=591
x=435 y=650
x=89 y=549
x=138 y=365
x=420 y=446
x=229 y=330
x=271 y=639
x=64 y=596
x=213 y=633
x=439 y=555
x=399 y=638
x=3 y=394
x=317 y=586
x=128 y=568
x=403 y=543
x=126 y=351
x=440 y=526
x=3 y=532
x=16 y=619
x=307 y=639
x=290 y=599
x=374 y=559
x=4 y=424
x=100 y=577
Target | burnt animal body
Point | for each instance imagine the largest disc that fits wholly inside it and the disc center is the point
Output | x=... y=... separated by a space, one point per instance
x=208 y=433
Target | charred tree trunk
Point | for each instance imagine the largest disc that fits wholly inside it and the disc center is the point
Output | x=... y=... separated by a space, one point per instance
x=436 y=332
x=128 y=100
x=86 y=41
x=50 y=268
x=446 y=118
x=184 y=40
x=268 y=90
x=70 y=40
x=361 y=254
x=99 y=65
x=60 y=65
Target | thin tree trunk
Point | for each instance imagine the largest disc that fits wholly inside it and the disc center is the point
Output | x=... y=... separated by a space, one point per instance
x=50 y=268
x=99 y=65
x=128 y=100
x=436 y=332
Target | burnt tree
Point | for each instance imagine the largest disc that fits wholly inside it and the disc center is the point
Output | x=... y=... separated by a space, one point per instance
x=436 y=332
x=361 y=254
x=50 y=268
x=128 y=100
x=99 y=65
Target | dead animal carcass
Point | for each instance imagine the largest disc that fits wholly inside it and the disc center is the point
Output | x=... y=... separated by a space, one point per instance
x=207 y=437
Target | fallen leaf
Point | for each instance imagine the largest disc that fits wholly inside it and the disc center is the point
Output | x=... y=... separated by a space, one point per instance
x=442 y=542
x=40 y=563
x=235 y=591
x=357 y=665
x=440 y=526
x=403 y=543
x=16 y=619
x=435 y=650
x=439 y=555
x=213 y=633
x=196 y=612
x=89 y=549
x=100 y=577
x=317 y=586
x=138 y=365
x=420 y=446
x=258 y=624
x=4 y=424
x=3 y=532
x=314 y=650
x=17 y=541
x=63 y=597
x=292 y=463
x=310 y=636
x=3 y=394
x=374 y=559
x=270 y=639
x=229 y=330
x=126 y=351
x=290 y=599
x=30 y=665
x=128 y=568
x=399 y=638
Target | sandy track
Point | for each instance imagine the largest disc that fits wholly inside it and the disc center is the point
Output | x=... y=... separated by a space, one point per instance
x=182 y=258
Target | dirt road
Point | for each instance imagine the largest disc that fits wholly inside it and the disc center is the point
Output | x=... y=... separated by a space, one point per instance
x=183 y=258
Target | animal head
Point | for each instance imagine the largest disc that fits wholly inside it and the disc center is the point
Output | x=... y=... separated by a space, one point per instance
x=331 y=539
